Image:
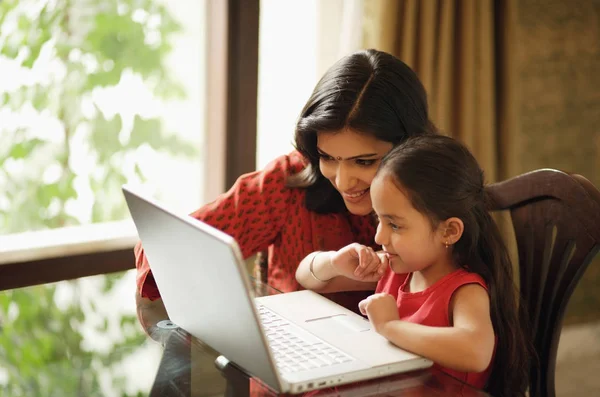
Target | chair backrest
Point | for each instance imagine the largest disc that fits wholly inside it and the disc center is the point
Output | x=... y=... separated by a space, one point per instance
x=556 y=219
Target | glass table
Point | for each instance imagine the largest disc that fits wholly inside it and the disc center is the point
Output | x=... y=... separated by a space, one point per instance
x=191 y=368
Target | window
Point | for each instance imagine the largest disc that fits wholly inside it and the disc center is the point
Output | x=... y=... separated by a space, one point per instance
x=93 y=94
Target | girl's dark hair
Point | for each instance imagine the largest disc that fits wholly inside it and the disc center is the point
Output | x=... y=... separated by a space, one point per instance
x=442 y=179
x=370 y=92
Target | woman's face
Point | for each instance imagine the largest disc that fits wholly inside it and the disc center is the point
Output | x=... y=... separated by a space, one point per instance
x=349 y=160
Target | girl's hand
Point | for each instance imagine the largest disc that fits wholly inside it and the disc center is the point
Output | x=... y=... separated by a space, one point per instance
x=380 y=308
x=359 y=262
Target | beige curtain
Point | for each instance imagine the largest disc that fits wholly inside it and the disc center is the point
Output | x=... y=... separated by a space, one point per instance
x=461 y=52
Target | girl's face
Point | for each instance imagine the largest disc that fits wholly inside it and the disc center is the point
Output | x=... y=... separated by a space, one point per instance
x=407 y=235
x=350 y=160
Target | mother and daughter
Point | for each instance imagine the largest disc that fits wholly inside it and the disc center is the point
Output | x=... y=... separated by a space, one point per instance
x=433 y=255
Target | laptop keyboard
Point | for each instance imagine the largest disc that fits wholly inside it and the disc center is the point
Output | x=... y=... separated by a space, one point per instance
x=295 y=349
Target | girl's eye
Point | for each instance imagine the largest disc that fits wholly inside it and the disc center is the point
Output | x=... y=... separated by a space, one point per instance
x=394 y=227
x=365 y=163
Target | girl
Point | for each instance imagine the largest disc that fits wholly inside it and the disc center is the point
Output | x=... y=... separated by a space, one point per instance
x=445 y=287
x=315 y=198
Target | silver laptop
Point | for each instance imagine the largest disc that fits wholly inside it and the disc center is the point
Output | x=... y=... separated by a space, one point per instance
x=293 y=342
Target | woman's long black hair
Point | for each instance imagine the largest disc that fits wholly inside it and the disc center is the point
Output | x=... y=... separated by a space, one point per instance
x=370 y=92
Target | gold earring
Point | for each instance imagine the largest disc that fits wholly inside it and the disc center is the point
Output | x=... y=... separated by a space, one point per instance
x=447 y=244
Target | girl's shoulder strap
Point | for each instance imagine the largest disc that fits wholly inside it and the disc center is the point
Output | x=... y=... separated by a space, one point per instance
x=462 y=277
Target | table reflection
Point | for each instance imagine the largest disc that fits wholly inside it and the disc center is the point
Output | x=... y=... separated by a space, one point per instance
x=189 y=367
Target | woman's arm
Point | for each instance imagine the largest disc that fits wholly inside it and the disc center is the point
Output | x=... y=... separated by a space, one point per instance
x=150 y=313
x=467 y=345
x=352 y=268
x=253 y=212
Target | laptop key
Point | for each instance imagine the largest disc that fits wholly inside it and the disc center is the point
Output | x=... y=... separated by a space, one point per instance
x=320 y=363
x=296 y=349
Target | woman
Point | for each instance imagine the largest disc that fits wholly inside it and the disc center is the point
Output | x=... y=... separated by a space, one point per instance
x=317 y=197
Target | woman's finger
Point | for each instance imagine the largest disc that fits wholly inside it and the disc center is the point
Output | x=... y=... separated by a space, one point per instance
x=365 y=259
x=362 y=259
x=373 y=264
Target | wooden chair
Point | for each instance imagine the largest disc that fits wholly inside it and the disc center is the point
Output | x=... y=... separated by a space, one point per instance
x=556 y=219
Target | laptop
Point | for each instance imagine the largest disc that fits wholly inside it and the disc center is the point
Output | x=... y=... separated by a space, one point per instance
x=293 y=342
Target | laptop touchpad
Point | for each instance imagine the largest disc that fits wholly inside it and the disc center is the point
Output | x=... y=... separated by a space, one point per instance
x=341 y=323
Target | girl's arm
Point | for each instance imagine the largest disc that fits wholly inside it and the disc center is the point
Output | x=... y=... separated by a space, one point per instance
x=467 y=345
x=352 y=268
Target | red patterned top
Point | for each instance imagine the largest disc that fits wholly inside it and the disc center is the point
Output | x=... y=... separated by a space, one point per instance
x=261 y=213
x=431 y=307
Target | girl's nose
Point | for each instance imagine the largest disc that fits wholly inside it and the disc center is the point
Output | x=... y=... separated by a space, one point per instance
x=380 y=237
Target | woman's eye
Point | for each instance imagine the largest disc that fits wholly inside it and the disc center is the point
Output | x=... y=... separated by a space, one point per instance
x=325 y=157
x=365 y=163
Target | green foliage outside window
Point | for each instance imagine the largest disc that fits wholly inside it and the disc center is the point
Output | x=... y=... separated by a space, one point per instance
x=92 y=44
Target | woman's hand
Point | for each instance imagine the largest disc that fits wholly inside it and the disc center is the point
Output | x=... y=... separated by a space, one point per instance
x=380 y=308
x=359 y=262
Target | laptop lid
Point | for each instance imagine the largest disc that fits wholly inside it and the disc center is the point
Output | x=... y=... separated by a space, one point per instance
x=203 y=283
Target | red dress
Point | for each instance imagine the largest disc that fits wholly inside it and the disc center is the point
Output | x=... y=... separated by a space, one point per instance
x=431 y=307
x=261 y=213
